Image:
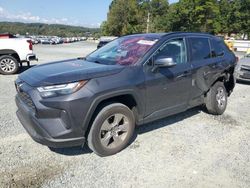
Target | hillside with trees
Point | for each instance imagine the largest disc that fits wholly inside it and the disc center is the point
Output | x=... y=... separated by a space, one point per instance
x=213 y=16
x=45 y=29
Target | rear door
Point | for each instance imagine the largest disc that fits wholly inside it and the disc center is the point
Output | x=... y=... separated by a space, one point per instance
x=207 y=59
x=202 y=63
x=168 y=89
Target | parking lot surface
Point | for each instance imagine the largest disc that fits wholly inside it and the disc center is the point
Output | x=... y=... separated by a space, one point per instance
x=191 y=149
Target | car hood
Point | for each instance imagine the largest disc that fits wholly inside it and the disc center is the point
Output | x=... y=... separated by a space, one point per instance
x=244 y=61
x=67 y=71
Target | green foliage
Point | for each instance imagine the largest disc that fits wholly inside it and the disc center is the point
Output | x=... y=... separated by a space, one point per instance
x=244 y=12
x=213 y=16
x=158 y=10
x=123 y=18
x=44 y=29
x=130 y=16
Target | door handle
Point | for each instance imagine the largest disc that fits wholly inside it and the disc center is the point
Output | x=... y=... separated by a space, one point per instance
x=184 y=74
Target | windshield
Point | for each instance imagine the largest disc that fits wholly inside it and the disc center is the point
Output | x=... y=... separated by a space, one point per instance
x=247 y=55
x=123 y=51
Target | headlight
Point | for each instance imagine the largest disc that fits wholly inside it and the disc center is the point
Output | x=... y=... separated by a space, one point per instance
x=63 y=89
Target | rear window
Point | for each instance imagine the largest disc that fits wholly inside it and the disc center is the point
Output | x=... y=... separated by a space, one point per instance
x=200 y=48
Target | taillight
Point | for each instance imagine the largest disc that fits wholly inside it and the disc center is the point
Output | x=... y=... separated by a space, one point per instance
x=30 y=44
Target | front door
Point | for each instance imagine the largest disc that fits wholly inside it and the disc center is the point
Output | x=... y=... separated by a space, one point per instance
x=168 y=89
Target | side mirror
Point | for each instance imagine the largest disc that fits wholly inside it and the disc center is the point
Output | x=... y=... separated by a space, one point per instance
x=163 y=62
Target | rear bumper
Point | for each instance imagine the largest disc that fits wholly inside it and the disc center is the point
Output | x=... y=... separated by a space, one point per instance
x=36 y=130
x=31 y=57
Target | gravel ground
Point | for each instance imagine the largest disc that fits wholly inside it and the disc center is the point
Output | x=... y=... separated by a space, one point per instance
x=191 y=149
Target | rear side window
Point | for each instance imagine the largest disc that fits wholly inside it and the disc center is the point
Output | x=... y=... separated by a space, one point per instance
x=217 y=48
x=200 y=48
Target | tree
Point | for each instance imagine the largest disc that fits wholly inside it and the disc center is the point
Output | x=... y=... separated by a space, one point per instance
x=213 y=16
x=182 y=16
x=44 y=29
x=126 y=17
x=245 y=17
x=194 y=15
x=104 y=28
x=205 y=13
x=123 y=18
x=159 y=12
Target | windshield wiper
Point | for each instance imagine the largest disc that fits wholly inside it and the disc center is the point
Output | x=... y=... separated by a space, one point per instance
x=81 y=58
x=98 y=62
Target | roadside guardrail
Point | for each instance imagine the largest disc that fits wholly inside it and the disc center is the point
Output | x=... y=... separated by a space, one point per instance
x=240 y=45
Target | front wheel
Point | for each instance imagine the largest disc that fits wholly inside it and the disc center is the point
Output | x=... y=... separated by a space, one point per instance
x=111 y=130
x=216 y=99
x=8 y=65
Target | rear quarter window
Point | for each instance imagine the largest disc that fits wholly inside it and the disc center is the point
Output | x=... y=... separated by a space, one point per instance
x=200 y=48
x=217 y=47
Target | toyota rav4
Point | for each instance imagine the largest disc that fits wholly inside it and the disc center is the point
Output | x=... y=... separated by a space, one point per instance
x=131 y=81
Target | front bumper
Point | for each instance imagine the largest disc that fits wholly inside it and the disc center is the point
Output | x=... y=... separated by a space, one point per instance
x=38 y=133
x=50 y=124
x=242 y=74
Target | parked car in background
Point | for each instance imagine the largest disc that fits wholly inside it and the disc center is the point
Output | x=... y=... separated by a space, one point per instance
x=105 y=40
x=242 y=70
x=53 y=40
x=13 y=52
x=45 y=41
x=34 y=41
x=102 y=43
x=132 y=80
x=6 y=36
x=230 y=45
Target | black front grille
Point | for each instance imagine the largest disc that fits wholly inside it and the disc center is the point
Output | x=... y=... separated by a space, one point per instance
x=27 y=100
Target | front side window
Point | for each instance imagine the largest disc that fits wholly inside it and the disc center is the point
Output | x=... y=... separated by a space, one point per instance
x=123 y=51
x=200 y=48
x=175 y=49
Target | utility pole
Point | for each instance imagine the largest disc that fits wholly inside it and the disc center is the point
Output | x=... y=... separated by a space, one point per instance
x=148 y=22
x=148 y=19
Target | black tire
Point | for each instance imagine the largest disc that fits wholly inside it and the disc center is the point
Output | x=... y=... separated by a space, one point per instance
x=8 y=65
x=104 y=137
x=216 y=99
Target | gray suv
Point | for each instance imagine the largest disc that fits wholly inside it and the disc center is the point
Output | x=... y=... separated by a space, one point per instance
x=131 y=81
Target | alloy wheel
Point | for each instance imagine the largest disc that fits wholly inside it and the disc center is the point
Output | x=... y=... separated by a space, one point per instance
x=221 y=98
x=114 y=130
x=7 y=65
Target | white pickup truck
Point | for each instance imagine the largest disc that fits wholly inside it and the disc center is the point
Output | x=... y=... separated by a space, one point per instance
x=13 y=52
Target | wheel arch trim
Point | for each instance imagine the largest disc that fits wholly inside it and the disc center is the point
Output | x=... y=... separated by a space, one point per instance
x=139 y=105
x=9 y=52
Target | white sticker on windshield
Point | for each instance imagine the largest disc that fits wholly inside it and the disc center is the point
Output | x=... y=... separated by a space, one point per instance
x=147 y=42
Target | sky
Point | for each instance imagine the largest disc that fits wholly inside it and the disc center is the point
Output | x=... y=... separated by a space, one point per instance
x=88 y=13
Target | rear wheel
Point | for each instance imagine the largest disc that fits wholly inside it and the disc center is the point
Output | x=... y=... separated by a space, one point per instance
x=8 y=65
x=112 y=129
x=216 y=99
